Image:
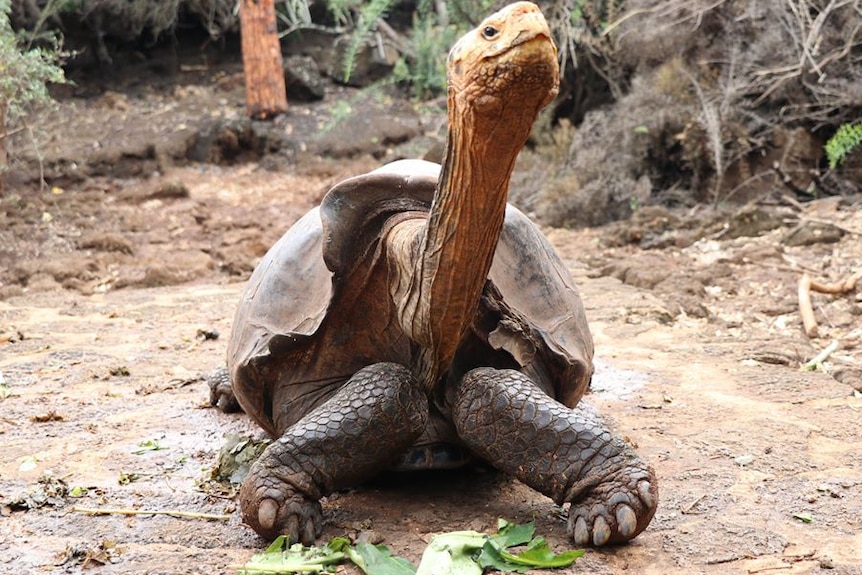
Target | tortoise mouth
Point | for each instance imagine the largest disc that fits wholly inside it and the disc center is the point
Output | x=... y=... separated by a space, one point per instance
x=529 y=48
x=530 y=35
x=531 y=57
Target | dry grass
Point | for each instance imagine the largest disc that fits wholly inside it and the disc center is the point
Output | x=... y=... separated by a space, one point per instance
x=705 y=95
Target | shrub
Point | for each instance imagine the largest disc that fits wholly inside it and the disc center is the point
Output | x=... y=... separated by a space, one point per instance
x=705 y=98
x=424 y=68
x=25 y=71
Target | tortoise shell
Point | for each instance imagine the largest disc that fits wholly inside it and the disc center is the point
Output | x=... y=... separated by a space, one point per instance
x=318 y=306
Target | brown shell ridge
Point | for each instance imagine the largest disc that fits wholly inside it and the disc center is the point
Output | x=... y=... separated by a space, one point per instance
x=354 y=212
x=535 y=283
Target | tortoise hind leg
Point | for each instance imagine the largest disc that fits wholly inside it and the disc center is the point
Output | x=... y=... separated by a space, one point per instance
x=221 y=391
x=364 y=426
x=567 y=454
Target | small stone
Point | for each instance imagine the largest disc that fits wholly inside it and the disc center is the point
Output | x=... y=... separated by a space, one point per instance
x=810 y=233
x=826 y=562
x=743 y=460
x=369 y=536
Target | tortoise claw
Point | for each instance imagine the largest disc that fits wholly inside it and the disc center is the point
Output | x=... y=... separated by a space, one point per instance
x=267 y=514
x=601 y=531
x=612 y=515
x=272 y=512
x=627 y=521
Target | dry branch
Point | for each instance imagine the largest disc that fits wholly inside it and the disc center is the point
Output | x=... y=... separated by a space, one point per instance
x=818 y=359
x=807 y=285
x=846 y=286
x=172 y=513
x=806 y=312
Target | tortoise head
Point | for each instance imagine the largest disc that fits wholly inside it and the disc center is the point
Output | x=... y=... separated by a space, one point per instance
x=509 y=57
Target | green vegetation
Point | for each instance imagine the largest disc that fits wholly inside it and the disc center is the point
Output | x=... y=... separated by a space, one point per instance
x=847 y=139
x=422 y=62
x=424 y=70
x=369 y=14
x=456 y=553
x=25 y=72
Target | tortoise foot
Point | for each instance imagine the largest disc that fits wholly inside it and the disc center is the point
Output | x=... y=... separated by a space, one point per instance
x=568 y=454
x=615 y=510
x=221 y=392
x=272 y=511
x=351 y=437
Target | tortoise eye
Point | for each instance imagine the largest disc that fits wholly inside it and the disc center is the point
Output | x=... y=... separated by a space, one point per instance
x=489 y=32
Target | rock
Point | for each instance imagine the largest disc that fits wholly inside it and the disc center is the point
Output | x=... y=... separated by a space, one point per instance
x=644 y=271
x=104 y=242
x=370 y=130
x=303 y=79
x=752 y=222
x=810 y=233
x=238 y=140
x=849 y=375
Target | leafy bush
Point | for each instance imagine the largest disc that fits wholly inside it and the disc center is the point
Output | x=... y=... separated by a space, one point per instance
x=25 y=71
x=435 y=27
x=424 y=68
x=369 y=14
x=847 y=139
x=706 y=102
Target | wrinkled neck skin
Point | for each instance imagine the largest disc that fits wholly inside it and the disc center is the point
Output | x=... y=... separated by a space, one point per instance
x=439 y=296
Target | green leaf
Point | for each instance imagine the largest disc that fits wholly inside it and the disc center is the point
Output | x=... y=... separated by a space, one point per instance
x=378 y=560
x=537 y=555
x=148 y=445
x=511 y=534
x=78 y=491
x=804 y=517
x=452 y=554
x=284 y=559
x=277 y=545
x=492 y=558
x=846 y=139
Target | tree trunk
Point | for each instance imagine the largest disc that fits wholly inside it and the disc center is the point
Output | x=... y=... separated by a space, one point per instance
x=265 y=93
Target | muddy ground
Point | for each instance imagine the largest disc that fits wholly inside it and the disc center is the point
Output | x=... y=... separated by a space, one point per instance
x=118 y=276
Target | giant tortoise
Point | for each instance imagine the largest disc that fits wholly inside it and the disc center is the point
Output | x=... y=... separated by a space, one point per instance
x=414 y=316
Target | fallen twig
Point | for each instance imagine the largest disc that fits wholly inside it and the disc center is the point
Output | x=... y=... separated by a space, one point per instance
x=692 y=505
x=806 y=311
x=770 y=568
x=807 y=285
x=846 y=286
x=818 y=359
x=172 y=513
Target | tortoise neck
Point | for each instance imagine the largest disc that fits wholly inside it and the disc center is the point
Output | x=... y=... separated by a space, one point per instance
x=463 y=228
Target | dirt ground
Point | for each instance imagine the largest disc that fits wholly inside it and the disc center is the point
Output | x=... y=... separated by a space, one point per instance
x=118 y=283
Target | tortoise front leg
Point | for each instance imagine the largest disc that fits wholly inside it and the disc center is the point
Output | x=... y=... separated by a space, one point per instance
x=365 y=425
x=567 y=454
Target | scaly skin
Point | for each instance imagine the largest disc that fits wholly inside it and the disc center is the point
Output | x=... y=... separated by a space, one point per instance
x=221 y=392
x=567 y=454
x=373 y=419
